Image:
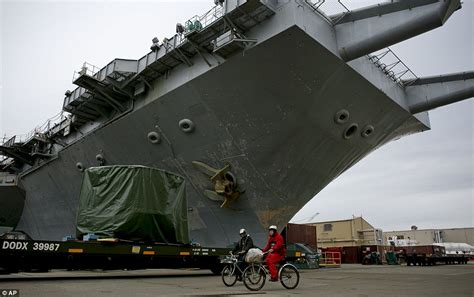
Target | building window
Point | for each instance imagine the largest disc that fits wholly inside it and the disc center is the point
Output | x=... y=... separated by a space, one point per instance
x=327 y=227
x=400 y=237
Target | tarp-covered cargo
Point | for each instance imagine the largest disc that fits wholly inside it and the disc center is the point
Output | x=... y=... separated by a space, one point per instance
x=134 y=203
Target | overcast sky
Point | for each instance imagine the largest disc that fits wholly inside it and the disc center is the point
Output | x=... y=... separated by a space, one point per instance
x=425 y=179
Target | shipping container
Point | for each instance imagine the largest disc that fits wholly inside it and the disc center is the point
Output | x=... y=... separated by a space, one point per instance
x=299 y=233
x=351 y=254
x=422 y=249
x=429 y=255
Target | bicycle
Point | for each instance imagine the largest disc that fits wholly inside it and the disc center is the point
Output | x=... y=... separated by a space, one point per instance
x=229 y=272
x=254 y=276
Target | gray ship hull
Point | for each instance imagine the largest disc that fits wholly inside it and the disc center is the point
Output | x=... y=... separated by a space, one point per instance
x=12 y=199
x=288 y=107
x=269 y=114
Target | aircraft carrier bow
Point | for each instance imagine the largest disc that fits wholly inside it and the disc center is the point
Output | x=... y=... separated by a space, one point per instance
x=257 y=104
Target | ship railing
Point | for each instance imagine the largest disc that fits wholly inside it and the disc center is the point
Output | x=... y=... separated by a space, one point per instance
x=392 y=66
x=5 y=161
x=21 y=138
x=197 y=22
x=385 y=59
x=194 y=24
x=86 y=69
x=8 y=141
x=16 y=139
x=42 y=131
x=324 y=8
x=48 y=126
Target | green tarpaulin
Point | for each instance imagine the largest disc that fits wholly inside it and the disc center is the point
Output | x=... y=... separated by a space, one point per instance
x=134 y=203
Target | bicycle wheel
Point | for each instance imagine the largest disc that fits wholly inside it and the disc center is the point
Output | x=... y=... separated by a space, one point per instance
x=229 y=278
x=254 y=277
x=289 y=276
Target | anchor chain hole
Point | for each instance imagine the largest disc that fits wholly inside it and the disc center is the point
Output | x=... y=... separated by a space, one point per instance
x=341 y=116
x=186 y=125
x=350 y=131
x=367 y=131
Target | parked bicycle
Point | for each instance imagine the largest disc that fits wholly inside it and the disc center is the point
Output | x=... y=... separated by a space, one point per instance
x=231 y=271
x=255 y=275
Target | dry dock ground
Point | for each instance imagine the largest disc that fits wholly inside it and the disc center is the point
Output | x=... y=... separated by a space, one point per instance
x=349 y=280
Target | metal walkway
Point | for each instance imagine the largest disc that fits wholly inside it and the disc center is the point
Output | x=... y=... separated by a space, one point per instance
x=27 y=151
x=109 y=88
x=99 y=91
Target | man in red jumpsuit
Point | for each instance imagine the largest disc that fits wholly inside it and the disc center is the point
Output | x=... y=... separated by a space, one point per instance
x=276 y=251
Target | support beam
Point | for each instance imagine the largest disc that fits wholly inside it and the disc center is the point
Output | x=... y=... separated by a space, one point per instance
x=86 y=108
x=168 y=67
x=183 y=57
x=96 y=101
x=98 y=88
x=114 y=103
x=200 y=51
x=248 y=15
x=98 y=109
x=367 y=30
x=432 y=92
x=118 y=88
x=10 y=152
x=84 y=115
x=145 y=82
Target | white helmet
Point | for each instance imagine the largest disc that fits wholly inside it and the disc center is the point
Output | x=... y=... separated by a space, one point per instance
x=242 y=231
x=273 y=227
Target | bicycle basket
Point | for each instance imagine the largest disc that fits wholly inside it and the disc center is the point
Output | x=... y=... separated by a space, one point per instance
x=254 y=256
x=227 y=260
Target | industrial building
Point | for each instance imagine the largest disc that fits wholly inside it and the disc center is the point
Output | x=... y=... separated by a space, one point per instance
x=346 y=233
x=352 y=238
x=355 y=238
x=414 y=236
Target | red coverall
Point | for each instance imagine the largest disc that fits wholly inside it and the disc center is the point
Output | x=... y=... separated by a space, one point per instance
x=276 y=243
